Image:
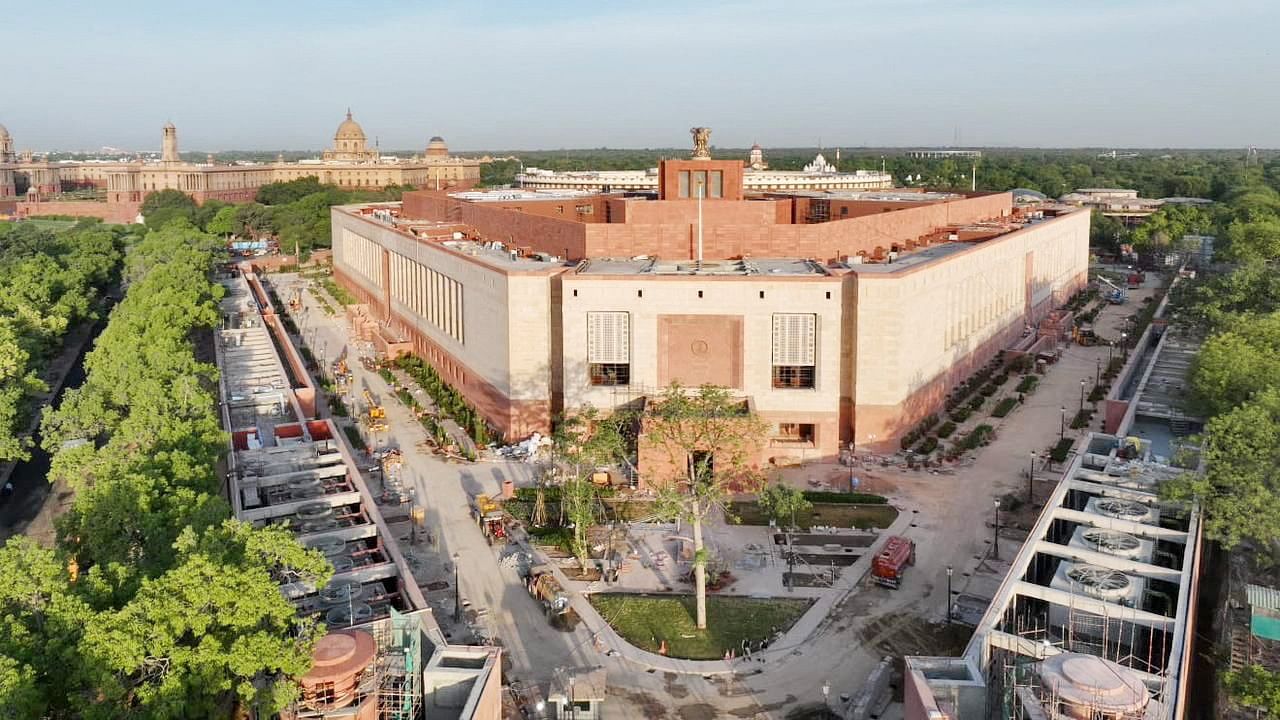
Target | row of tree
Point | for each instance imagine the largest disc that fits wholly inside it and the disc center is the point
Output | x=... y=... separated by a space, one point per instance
x=1235 y=384
x=49 y=282
x=154 y=602
x=295 y=212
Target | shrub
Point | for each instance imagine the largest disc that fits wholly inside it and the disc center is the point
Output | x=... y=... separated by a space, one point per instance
x=1021 y=364
x=1001 y=379
x=1005 y=407
x=946 y=429
x=1082 y=418
x=960 y=415
x=989 y=389
x=1029 y=383
x=1060 y=451
x=976 y=402
x=841 y=498
x=927 y=445
x=1097 y=393
x=977 y=437
x=353 y=435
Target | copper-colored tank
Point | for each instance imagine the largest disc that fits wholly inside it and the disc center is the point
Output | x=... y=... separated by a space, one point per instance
x=342 y=675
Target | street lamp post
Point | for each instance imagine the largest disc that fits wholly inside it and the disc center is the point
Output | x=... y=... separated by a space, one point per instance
x=826 y=694
x=1124 y=343
x=1110 y=345
x=1082 y=384
x=1031 y=477
x=1062 y=424
x=457 y=592
x=995 y=540
x=1097 y=374
x=950 y=570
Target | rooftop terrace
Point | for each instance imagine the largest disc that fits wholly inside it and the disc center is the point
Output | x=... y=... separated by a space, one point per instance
x=772 y=267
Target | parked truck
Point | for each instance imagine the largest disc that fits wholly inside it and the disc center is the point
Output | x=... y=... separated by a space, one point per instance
x=889 y=565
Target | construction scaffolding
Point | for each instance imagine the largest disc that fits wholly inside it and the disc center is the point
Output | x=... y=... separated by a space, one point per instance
x=1016 y=688
x=399 y=667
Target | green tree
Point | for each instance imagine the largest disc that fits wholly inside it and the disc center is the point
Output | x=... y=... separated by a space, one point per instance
x=583 y=442
x=1255 y=687
x=710 y=441
x=210 y=634
x=1240 y=487
x=164 y=206
x=783 y=503
x=223 y=222
x=1235 y=364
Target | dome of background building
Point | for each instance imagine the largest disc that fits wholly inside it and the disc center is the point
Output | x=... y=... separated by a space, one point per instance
x=436 y=147
x=170 y=126
x=349 y=129
x=4 y=131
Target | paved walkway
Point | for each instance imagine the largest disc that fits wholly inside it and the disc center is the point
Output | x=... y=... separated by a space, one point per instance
x=837 y=643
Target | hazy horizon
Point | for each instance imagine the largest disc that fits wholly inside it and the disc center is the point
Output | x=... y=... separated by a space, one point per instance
x=1179 y=75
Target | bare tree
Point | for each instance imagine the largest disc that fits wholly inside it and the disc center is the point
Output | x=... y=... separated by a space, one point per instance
x=711 y=441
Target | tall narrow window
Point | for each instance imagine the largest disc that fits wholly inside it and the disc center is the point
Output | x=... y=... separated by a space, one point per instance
x=717 y=184
x=684 y=183
x=609 y=348
x=795 y=337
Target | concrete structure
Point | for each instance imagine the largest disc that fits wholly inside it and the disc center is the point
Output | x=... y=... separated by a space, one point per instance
x=350 y=163
x=8 y=193
x=1108 y=572
x=843 y=317
x=942 y=154
x=756 y=178
x=1114 y=202
x=384 y=650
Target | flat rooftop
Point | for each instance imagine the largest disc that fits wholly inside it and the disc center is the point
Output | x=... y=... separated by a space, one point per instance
x=255 y=382
x=929 y=196
x=514 y=195
x=770 y=267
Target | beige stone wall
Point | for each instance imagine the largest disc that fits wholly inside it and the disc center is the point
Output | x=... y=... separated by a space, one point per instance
x=654 y=303
x=924 y=329
x=504 y=342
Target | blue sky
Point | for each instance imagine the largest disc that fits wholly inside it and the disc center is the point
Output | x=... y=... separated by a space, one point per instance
x=485 y=74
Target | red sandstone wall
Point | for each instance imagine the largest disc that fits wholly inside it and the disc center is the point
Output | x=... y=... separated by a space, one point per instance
x=112 y=212
x=730 y=228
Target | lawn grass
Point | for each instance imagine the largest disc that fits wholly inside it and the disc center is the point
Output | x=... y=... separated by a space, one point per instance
x=826 y=514
x=646 y=620
x=54 y=225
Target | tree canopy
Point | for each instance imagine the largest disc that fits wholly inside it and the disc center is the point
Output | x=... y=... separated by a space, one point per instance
x=154 y=603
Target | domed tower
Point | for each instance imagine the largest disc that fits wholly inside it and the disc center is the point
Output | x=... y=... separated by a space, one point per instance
x=350 y=144
x=756 y=160
x=436 y=148
x=8 y=190
x=6 y=146
x=169 y=146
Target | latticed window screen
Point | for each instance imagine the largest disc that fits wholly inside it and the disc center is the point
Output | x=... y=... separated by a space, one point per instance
x=795 y=339
x=608 y=337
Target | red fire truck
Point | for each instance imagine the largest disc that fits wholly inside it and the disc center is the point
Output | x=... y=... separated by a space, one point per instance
x=888 y=566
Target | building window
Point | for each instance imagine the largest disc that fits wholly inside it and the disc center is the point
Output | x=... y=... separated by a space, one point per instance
x=795 y=339
x=684 y=183
x=609 y=347
x=786 y=377
x=799 y=433
x=610 y=374
x=717 y=184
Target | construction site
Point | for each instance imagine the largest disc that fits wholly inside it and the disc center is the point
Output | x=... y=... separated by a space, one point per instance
x=1095 y=616
x=384 y=656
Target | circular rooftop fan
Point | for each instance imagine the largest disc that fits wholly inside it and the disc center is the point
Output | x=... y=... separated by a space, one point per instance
x=341 y=592
x=1124 y=509
x=314 y=526
x=329 y=546
x=315 y=511
x=342 y=564
x=304 y=482
x=1112 y=542
x=343 y=615
x=1099 y=581
x=306 y=493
